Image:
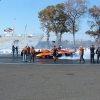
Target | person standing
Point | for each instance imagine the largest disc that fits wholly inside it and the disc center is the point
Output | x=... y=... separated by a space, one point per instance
x=25 y=52
x=28 y=50
x=55 y=52
x=81 y=53
x=98 y=53
x=13 y=50
x=17 y=50
x=92 y=48
x=32 y=54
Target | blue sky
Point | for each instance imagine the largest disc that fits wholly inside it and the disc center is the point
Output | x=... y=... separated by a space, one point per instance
x=26 y=12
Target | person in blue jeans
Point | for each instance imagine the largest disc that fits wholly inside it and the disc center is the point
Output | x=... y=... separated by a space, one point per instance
x=25 y=52
x=32 y=54
x=13 y=50
x=17 y=50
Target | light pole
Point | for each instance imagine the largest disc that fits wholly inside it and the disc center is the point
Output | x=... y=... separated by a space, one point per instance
x=99 y=30
x=14 y=26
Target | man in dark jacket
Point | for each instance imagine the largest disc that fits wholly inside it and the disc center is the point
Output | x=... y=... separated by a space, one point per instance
x=98 y=53
x=13 y=50
x=92 y=48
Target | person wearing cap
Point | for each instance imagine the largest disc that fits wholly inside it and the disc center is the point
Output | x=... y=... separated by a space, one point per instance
x=92 y=48
x=32 y=54
x=81 y=53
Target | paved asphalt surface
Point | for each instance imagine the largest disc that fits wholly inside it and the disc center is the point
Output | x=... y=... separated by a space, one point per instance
x=15 y=59
x=48 y=80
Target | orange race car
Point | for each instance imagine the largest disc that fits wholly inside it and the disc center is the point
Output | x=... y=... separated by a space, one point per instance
x=48 y=54
x=66 y=51
x=44 y=54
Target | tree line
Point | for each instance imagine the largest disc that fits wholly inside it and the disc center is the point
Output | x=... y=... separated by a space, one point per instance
x=65 y=18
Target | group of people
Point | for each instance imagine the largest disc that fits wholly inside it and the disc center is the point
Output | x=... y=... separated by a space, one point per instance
x=28 y=51
x=31 y=52
x=93 y=51
x=14 y=50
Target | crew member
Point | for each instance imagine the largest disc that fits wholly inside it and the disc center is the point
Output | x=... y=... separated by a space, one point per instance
x=25 y=52
x=32 y=54
x=81 y=53
x=55 y=52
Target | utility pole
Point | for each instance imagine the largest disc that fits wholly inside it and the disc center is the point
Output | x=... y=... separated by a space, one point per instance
x=14 y=27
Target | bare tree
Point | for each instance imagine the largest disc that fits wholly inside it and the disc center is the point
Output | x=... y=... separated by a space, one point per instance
x=75 y=9
x=94 y=24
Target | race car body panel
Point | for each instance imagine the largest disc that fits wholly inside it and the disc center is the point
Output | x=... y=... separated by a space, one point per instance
x=48 y=54
x=44 y=53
